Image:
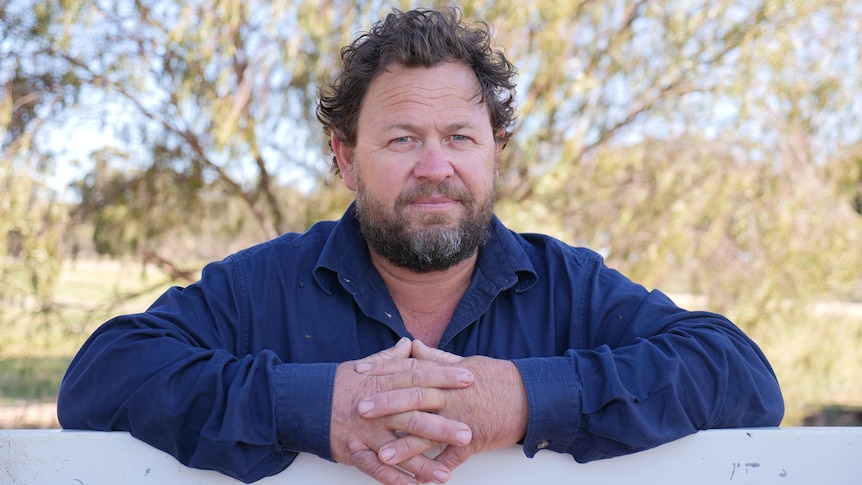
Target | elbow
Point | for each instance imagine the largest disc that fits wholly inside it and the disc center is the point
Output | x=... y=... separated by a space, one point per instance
x=773 y=406
x=76 y=408
x=760 y=405
x=767 y=399
x=68 y=408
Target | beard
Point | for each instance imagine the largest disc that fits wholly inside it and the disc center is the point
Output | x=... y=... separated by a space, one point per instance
x=437 y=243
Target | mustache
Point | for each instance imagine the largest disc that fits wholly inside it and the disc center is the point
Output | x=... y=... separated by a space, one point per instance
x=445 y=188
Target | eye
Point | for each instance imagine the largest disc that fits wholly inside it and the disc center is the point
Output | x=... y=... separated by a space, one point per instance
x=460 y=139
x=402 y=143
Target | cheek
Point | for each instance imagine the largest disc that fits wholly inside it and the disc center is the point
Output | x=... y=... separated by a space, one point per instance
x=479 y=177
x=383 y=182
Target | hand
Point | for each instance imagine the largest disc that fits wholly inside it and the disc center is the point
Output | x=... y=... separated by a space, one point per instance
x=356 y=441
x=495 y=406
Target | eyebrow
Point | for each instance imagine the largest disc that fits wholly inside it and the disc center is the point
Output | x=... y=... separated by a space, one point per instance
x=412 y=127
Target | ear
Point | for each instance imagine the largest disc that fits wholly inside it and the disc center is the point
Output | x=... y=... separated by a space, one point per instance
x=344 y=156
x=500 y=135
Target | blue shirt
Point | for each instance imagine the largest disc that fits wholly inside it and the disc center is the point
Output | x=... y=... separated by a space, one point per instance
x=235 y=372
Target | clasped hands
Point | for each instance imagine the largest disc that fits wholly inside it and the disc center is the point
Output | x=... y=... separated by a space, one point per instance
x=392 y=407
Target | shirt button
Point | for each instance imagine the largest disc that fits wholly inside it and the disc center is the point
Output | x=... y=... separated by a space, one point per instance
x=543 y=444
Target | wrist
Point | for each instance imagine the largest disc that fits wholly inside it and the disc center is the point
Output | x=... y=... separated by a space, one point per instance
x=505 y=396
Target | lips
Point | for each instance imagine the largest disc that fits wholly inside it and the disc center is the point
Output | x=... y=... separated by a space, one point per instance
x=434 y=202
x=438 y=196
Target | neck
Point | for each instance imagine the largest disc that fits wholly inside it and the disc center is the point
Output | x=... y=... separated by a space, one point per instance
x=426 y=301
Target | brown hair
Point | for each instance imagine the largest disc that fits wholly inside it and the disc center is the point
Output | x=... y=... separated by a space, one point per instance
x=418 y=38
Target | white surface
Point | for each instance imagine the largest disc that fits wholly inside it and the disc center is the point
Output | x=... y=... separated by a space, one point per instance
x=740 y=456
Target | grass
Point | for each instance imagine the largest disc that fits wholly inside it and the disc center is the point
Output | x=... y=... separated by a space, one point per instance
x=31 y=379
x=818 y=361
x=817 y=357
x=36 y=348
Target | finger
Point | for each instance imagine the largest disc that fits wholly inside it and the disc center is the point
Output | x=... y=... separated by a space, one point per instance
x=409 y=448
x=401 y=350
x=425 y=469
x=400 y=401
x=437 y=377
x=453 y=456
x=391 y=363
x=366 y=461
x=399 y=374
x=383 y=365
x=424 y=352
x=406 y=448
x=428 y=426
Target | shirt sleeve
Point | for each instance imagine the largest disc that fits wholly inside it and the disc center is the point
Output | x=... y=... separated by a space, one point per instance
x=650 y=373
x=178 y=377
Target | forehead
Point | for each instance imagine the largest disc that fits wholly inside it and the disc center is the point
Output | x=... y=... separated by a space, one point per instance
x=446 y=90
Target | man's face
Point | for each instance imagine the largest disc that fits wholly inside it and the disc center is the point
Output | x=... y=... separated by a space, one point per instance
x=424 y=166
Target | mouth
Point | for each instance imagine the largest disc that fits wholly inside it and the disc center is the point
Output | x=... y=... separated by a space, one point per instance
x=434 y=203
x=430 y=198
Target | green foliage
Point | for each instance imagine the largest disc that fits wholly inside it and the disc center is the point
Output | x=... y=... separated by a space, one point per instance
x=32 y=220
x=224 y=91
x=30 y=231
x=759 y=241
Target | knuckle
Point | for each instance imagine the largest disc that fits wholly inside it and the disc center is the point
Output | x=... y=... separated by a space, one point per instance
x=426 y=470
x=414 y=422
x=377 y=470
x=416 y=397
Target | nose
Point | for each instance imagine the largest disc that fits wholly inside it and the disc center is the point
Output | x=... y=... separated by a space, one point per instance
x=433 y=165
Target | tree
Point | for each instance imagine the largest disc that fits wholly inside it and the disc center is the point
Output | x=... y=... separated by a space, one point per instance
x=225 y=110
x=709 y=146
x=688 y=138
x=222 y=102
x=32 y=218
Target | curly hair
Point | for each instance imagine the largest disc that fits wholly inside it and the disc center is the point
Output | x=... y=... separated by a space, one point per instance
x=417 y=38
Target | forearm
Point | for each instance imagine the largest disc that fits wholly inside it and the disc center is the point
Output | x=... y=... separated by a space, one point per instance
x=603 y=402
x=208 y=408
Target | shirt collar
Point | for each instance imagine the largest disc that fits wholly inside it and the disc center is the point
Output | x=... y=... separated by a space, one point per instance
x=502 y=260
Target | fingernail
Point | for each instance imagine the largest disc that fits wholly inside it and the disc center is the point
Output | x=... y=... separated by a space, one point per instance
x=362 y=367
x=441 y=476
x=463 y=437
x=465 y=377
x=386 y=454
x=365 y=407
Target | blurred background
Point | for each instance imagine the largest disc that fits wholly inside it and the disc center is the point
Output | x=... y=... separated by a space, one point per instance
x=708 y=148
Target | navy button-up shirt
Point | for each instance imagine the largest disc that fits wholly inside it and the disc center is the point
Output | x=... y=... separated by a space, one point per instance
x=235 y=372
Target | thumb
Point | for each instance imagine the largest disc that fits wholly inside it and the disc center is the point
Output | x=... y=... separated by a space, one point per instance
x=401 y=350
x=423 y=352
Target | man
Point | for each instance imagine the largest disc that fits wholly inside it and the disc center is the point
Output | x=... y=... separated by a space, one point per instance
x=303 y=343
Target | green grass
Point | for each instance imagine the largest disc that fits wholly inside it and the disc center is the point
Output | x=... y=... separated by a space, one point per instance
x=31 y=379
x=37 y=346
